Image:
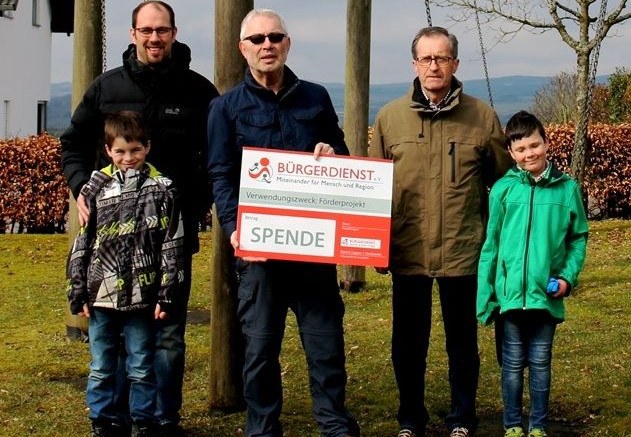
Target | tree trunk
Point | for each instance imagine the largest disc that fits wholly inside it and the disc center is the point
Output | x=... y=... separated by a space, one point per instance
x=583 y=105
x=356 y=96
x=87 y=64
x=226 y=343
x=229 y=64
x=226 y=350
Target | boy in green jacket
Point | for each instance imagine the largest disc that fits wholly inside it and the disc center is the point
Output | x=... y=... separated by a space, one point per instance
x=533 y=253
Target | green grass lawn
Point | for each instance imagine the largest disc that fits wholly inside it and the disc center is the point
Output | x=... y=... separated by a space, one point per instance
x=43 y=375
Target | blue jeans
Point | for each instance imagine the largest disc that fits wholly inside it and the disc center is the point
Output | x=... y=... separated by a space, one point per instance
x=411 y=325
x=104 y=328
x=528 y=337
x=266 y=292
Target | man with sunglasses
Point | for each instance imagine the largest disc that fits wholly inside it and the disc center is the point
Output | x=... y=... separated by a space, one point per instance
x=272 y=108
x=156 y=81
x=448 y=150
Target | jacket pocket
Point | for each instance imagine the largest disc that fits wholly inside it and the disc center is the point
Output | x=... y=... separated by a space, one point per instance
x=307 y=114
x=410 y=158
x=504 y=278
x=464 y=160
x=408 y=144
x=256 y=128
x=256 y=119
x=173 y=123
x=306 y=132
x=452 y=155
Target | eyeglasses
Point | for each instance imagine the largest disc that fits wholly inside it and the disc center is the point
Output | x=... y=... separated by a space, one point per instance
x=148 y=31
x=426 y=61
x=259 y=38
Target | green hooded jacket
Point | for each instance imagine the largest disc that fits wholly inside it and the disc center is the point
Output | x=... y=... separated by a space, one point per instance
x=536 y=231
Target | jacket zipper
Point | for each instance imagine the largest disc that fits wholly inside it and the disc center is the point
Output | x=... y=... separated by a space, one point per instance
x=525 y=270
x=452 y=153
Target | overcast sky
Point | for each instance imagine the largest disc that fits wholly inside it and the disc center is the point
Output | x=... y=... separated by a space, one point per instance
x=317 y=30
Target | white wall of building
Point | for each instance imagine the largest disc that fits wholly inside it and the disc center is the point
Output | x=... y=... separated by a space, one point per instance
x=25 y=67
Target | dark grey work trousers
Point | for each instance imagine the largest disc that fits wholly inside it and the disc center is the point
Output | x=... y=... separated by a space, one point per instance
x=266 y=292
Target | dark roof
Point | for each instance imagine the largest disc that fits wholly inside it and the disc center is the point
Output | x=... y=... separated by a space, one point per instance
x=62 y=16
x=8 y=5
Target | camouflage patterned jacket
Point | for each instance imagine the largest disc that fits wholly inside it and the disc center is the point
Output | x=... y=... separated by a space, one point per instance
x=129 y=255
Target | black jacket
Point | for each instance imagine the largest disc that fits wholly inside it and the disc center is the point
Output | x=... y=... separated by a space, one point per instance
x=174 y=102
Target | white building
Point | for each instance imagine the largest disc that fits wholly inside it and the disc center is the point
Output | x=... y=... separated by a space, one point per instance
x=26 y=28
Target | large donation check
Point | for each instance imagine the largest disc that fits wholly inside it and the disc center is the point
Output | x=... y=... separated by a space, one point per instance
x=335 y=209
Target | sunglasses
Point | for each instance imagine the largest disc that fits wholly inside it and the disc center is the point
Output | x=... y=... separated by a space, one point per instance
x=259 y=38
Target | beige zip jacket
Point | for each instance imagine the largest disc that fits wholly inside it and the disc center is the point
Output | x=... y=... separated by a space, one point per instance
x=445 y=162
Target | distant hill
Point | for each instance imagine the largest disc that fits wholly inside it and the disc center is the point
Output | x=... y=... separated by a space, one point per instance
x=60 y=89
x=510 y=94
x=58 y=114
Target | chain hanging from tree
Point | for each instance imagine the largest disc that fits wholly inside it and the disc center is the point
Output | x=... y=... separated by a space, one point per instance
x=592 y=72
x=483 y=52
x=482 y=49
x=103 y=37
x=596 y=52
x=428 y=13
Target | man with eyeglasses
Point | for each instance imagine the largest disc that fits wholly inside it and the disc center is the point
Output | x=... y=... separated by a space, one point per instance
x=272 y=108
x=156 y=81
x=448 y=150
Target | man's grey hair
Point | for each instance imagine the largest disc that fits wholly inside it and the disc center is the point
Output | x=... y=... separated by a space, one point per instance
x=265 y=12
x=433 y=31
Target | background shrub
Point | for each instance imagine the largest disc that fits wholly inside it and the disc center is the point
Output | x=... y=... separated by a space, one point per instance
x=34 y=193
x=608 y=167
x=33 y=189
x=608 y=176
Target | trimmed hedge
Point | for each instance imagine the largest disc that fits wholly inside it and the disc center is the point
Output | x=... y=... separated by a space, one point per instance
x=34 y=193
x=33 y=189
x=608 y=166
x=608 y=175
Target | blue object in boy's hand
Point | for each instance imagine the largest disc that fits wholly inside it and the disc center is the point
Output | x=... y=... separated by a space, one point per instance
x=553 y=286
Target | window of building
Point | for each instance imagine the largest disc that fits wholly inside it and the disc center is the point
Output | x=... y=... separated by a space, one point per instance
x=36 y=13
x=7 y=7
x=4 y=119
x=41 y=116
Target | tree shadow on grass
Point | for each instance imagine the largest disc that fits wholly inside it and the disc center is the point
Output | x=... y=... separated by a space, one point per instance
x=198 y=317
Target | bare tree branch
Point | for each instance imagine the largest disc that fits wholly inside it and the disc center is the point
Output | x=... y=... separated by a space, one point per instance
x=569 y=10
x=579 y=30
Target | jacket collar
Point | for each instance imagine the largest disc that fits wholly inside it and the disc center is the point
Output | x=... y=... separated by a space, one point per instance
x=106 y=174
x=418 y=101
x=147 y=169
x=290 y=82
x=550 y=175
x=180 y=60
